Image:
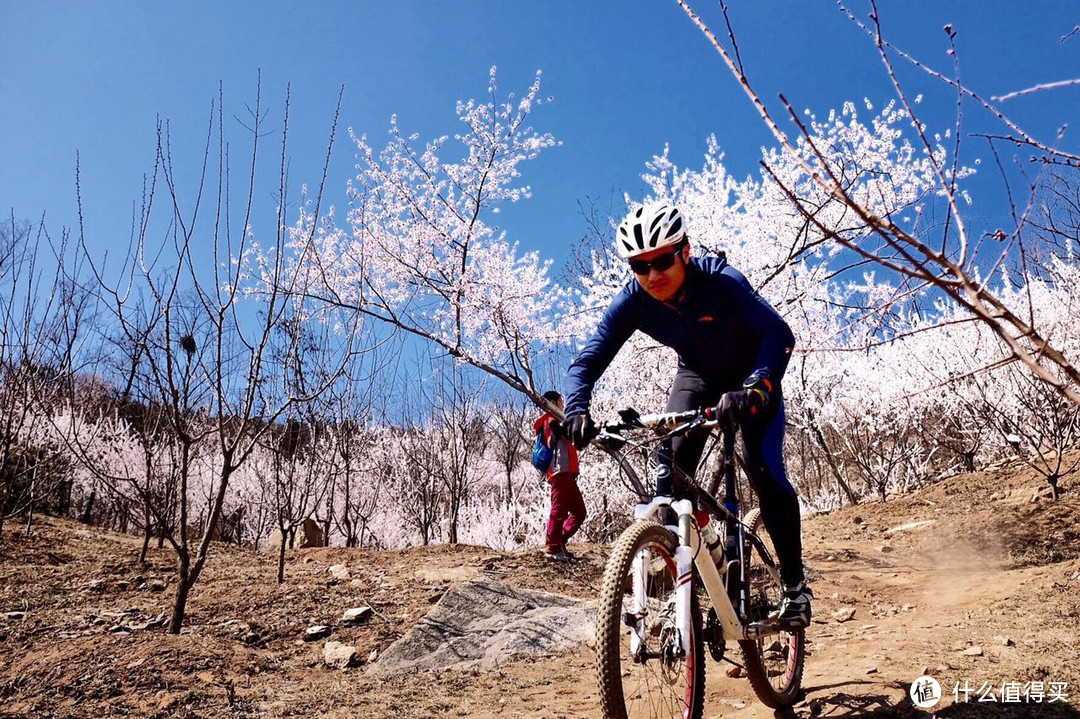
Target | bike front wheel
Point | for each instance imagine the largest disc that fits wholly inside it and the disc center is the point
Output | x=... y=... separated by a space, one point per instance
x=641 y=668
x=774 y=663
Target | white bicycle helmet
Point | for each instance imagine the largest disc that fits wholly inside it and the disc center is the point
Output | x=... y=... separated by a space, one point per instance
x=649 y=228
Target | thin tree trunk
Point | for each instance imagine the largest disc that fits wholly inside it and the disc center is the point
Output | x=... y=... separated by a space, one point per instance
x=183 y=587
x=829 y=460
x=30 y=509
x=281 y=557
x=454 y=525
x=147 y=533
x=89 y=507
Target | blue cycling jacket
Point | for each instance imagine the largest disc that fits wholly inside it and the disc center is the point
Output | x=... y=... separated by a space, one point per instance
x=720 y=327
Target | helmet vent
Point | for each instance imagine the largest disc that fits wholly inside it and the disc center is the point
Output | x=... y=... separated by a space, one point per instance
x=676 y=225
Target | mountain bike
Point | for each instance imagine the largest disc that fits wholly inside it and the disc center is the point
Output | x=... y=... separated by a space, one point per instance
x=671 y=592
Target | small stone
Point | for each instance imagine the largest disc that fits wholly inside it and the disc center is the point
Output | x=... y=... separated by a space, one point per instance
x=975 y=651
x=373 y=656
x=1003 y=641
x=356 y=615
x=872 y=670
x=885 y=549
x=15 y=616
x=339 y=571
x=157 y=585
x=734 y=672
x=338 y=655
x=843 y=614
x=318 y=631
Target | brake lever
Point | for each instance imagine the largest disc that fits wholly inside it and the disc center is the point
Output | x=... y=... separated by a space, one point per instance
x=610 y=439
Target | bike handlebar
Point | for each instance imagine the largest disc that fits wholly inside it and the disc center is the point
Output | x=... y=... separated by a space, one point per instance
x=667 y=425
x=671 y=421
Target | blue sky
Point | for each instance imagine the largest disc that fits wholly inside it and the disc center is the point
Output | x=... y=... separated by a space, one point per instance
x=626 y=78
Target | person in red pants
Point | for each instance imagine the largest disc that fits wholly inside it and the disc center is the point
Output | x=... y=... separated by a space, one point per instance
x=567 y=504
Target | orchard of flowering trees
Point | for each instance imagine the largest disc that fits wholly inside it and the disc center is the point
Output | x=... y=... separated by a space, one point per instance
x=378 y=369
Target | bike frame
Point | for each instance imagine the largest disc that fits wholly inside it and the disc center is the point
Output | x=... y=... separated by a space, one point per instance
x=726 y=587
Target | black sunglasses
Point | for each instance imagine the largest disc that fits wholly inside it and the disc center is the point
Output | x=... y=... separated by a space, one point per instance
x=662 y=263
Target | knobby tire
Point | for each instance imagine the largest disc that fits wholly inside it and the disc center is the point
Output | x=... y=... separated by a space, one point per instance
x=655 y=688
x=774 y=664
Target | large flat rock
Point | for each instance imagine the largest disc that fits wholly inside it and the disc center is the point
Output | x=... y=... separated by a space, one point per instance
x=482 y=622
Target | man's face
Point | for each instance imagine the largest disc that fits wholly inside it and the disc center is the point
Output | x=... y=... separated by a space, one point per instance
x=662 y=285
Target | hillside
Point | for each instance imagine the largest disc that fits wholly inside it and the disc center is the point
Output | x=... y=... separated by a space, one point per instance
x=967 y=580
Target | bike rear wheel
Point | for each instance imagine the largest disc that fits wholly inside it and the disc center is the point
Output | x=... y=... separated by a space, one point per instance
x=774 y=664
x=654 y=681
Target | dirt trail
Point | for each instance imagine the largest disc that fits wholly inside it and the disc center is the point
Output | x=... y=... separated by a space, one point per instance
x=967 y=580
x=955 y=615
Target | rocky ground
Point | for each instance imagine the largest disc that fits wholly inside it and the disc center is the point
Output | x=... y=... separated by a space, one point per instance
x=974 y=580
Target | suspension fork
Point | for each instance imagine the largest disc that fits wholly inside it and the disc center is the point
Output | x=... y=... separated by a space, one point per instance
x=684 y=560
x=638 y=606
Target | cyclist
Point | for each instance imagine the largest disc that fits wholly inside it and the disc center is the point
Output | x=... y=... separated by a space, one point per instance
x=733 y=348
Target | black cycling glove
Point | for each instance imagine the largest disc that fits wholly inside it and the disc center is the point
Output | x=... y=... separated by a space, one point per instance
x=736 y=407
x=745 y=404
x=580 y=429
